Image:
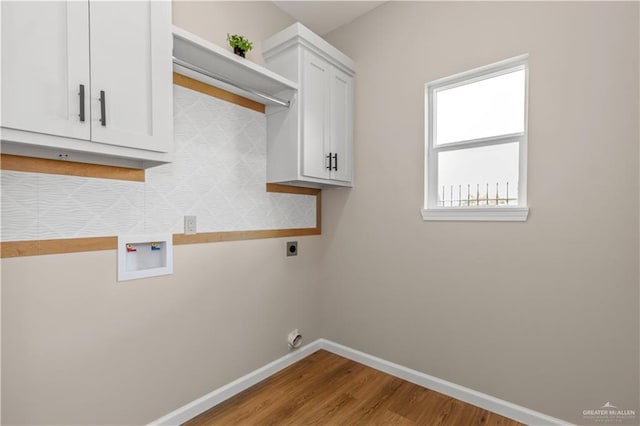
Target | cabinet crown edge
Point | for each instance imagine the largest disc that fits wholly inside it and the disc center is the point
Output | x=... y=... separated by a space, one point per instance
x=299 y=34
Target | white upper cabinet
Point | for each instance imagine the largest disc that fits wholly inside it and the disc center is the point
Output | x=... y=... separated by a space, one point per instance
x=88 y=81
x=45 y=51
x=311 y=143
x=138 y=100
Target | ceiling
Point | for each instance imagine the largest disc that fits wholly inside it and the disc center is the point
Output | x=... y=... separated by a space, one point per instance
x=323 y=17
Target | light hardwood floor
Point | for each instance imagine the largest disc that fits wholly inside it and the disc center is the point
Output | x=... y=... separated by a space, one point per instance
x=326 y=389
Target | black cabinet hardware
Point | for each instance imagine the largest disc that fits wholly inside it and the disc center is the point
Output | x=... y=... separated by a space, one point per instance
x=103 y=113
x=81 y=96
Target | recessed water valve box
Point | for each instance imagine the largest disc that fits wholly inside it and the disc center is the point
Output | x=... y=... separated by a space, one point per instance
x=142 y=256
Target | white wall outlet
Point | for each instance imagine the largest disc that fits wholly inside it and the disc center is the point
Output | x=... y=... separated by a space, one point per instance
x=189 y=225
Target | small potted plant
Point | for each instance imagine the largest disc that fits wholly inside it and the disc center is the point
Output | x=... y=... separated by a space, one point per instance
x=240 y=44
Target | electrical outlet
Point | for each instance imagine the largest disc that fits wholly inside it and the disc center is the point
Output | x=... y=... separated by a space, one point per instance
x=292 y=248
x=189 y=225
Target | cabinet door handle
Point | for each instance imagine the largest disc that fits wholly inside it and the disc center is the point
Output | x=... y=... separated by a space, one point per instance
x=329 y=166
x=81 y=97
x=103 y=113
x=335 y=161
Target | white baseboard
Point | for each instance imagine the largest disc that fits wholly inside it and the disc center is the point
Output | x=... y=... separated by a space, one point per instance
x=470 y=396
x=479 y=399
x=225 y=392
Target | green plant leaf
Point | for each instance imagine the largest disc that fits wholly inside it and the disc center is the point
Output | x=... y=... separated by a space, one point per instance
x=240 y=42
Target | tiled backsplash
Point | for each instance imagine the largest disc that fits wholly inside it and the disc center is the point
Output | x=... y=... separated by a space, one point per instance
x=218 y=176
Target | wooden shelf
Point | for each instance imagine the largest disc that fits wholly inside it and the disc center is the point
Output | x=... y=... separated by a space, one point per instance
x=251 y=77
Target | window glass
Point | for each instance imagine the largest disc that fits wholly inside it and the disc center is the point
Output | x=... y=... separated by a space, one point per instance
x=481 y=176
x=480 y=109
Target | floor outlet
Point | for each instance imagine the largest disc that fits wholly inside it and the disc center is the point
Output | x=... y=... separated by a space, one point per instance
x=189 y=225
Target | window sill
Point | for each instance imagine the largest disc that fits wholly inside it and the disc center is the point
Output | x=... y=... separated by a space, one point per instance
x=506 y=214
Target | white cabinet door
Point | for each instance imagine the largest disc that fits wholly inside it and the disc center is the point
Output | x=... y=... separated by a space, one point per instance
x=131 y=74
x=341 y=122
x=315 y=105
x=45 y=61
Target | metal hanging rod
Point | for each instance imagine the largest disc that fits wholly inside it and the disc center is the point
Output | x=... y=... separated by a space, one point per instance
x=229 y=82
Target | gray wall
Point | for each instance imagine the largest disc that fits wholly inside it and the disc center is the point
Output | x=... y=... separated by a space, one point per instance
x=542 y=313
x=81 y=348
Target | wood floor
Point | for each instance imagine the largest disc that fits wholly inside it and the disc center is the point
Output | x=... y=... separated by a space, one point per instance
x=326 y=389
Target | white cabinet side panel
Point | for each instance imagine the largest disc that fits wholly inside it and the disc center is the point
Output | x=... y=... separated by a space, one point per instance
x=161 y=77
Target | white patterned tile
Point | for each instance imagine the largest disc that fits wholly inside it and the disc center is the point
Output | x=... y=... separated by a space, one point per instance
x=71 y=207
x=19 y=206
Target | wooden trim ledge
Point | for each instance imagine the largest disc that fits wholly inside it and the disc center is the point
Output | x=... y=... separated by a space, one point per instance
x=67 y=245
x=216 y=237
x=216 y=92
x=19 y=163
x=76 y=245
x=288 y=189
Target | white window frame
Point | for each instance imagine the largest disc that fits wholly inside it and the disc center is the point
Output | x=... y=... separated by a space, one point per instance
x=431 y=210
